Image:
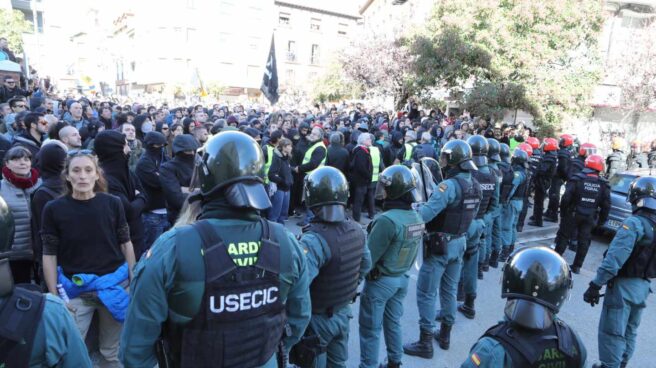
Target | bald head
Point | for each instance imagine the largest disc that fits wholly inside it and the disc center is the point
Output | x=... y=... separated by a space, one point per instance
x=70 y=137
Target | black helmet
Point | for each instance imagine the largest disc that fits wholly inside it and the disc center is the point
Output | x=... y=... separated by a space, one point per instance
x=493 y=151
x=326 y=191
x=427 y=175
x=520 y=157
x=6 y=228
x=434 y=168
x=479 y=147
x=394 y=182
x=642 y=193
x=504 y=152
x=232 y=163
x=457 y=153
x=538 y=281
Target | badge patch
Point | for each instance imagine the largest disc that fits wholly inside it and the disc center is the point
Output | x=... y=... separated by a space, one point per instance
x=442 y=187
x=476 y=359
x=626 y=227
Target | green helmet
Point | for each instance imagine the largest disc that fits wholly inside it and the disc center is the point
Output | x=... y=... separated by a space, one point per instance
x=538 y=281
x=504 y=152
x=7 y=227
x=520 y=157
x=326 y=191
x=457 y=153
x=232 y=164
x=642 y=193
x=394 y=182
x=493 y=151
x=479 y=147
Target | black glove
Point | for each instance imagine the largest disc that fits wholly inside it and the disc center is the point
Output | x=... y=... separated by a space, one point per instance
x=592 y=294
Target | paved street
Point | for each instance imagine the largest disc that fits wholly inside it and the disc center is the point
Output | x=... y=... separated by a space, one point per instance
x=489 y=309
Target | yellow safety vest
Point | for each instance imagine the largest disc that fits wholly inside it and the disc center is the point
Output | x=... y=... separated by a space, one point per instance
x=267 y=164
x=375 y=161
x=408 y=151
x=308 y=155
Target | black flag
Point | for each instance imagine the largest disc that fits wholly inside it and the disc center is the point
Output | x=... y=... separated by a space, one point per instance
x=270 y=80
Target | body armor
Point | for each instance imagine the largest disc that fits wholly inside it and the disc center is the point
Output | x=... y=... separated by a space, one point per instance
x=456 y=218
x=522 y=190
x=642 y=261
x=590 y=191
x=488 y=182
x=507 y=176
x=19 y=319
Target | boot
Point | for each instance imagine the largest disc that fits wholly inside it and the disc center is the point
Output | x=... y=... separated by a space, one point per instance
x=461 y=292
x=390 y=365
x=480 y=271
x=494 y=259
x=486 y=264
x=575 y=269
x=422 y=348
x=467 y=308
x=573 y=245
x=535 y=223
x=505 y=252
x=443 y=336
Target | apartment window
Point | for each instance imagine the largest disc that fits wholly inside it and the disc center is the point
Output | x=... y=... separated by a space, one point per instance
x=314 y=56
x=291 y=50
x=315 y=24
x=39 y=22
x=342 y=29
x=283 y=19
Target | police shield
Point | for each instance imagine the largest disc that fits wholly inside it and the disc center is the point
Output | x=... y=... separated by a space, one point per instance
x=425 y=177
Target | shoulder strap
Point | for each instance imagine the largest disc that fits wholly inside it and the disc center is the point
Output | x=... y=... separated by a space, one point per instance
x=217 y=260
x=51 y=192
x=21 y=315
x=566 y=340
x=520 y=351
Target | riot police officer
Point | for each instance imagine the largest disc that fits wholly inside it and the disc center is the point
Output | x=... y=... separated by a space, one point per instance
x=616 y=161
x=449 y=212
x=337 y=260
x=636 y=158
x=220 y=291
x=536 y=282
x=578 y=163
x=502 y=222
x=627 y=268
x=514 y=201
x=533 y=161
x=489 y=202
x=394 y=240
x=564 y=158
x=492 y=222
x=42 y=332
x=542 y=179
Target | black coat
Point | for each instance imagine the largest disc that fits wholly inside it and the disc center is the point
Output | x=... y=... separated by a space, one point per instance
x=147 y=170
x=173 y=175
x=361 y=167
x=338 y=157
x=280 y=172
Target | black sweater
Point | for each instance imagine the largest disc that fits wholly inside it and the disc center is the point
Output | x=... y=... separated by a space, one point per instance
x=361 y=167
x=281 y=172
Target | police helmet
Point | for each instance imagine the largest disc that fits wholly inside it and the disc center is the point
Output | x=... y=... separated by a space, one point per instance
x=326 y=192
x=434 y=168
x=504 y=152
x=457 y=154
x=642 y=193
x=395 y=181
x=232 y=165
x=536 y=281
x=427 y=174
x=493 y=151
x=479 y=147
x=520 y=157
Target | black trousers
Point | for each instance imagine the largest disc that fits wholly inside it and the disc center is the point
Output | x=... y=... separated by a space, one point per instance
x=21 y=271
x=538 y=205
x=361 y=194
x=554 y=196
x=584 y=224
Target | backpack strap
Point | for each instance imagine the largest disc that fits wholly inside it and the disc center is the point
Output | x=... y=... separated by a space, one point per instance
x=217 y=260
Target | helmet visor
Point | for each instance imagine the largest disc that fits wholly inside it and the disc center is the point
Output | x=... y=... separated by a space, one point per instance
x=528 y=314
x=248 y=194
x=381 y=192
x=424 y=180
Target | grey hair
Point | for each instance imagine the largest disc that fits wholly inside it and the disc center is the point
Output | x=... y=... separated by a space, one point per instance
x=362 y=137
x=337 y=138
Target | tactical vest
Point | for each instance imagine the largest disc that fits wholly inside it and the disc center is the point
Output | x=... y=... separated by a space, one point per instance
x=488 y=182
x=242 y=317
x=20 y=316
x=642 y=261
x=534 y=161
x=267 y=165
x=522 y=190
x=456 y=217
x=589 y=190
x=408 y=151
x=555 y=346
x=308 y=155
x=564 y=159
x=375 y=162
x=576 y=165
x=507 y=176
x=337 y=282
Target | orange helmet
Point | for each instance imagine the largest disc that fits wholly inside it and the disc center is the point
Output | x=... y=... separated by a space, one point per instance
x=534 y=142
x=635 y=144
x=587 y=149
x=595 y=162
x=526 y=148
x=550 y=144
x=617 y=143
x=566 y=140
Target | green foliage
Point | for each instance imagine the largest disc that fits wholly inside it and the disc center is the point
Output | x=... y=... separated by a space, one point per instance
x=332 y=86
x=538 y=56
x=12 y=27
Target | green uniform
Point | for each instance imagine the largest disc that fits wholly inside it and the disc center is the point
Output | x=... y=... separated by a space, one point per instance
x=166 y=288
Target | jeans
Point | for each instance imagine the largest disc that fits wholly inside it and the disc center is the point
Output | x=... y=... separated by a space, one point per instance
x=279 y=206
x=155 y=224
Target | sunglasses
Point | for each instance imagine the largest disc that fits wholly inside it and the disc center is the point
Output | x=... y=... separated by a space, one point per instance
x=80 y=152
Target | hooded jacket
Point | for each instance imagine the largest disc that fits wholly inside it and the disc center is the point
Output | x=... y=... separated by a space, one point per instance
x=338 y=157
x=176 y=173
x=281 y=172
x=361 y=166
x=122 y=183
x=147 y=170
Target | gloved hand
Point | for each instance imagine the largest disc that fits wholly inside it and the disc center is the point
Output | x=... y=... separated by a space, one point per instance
x=592 y=294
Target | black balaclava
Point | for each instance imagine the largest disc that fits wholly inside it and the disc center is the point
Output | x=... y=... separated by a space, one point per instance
x=114 y=162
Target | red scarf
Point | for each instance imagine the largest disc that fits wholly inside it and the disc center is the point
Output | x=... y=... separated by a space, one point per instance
x=20 y=182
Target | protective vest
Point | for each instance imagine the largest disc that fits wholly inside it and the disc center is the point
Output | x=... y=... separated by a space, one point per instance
x=555 y=346
x=267 y=164
x=308 y=155
x=522 y=190
x=642 y=261
x=242 y=317
x=375 y=161
x=488 y=182
x=576 y=165
x=408 y=150
x=507 y=176
x=456 y=217
x=564 y=158
x=534 y=161
x=337 y=282
x=20 y=316
x=407 y=240
x=589 y=193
